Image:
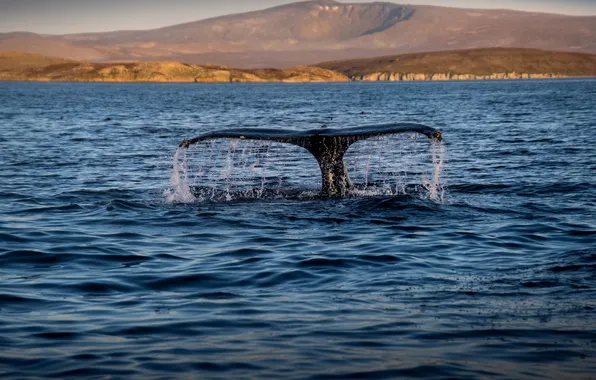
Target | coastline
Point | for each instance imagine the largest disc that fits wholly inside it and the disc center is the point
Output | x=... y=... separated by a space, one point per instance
x=470 y=65
x=416 y=77
x=30 y=67
x=466 y=79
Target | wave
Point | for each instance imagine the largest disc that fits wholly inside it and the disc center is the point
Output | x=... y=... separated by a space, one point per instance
x=528 y=189
x=40 y=258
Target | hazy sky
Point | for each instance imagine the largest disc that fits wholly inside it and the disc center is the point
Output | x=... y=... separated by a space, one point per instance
x=75 y=16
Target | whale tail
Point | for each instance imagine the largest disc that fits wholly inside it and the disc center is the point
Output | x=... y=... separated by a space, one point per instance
x=328 y=146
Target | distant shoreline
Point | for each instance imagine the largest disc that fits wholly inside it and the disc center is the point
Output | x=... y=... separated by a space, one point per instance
x=297 y=82
x=489 y=64
x=470 y=64
x=18 y=66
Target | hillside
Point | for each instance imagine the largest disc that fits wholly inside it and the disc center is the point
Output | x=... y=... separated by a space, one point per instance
x=496 y=63
x=314 y=31
x=31 y=67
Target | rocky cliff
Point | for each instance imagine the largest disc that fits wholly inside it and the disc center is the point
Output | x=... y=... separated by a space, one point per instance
x=496 y=63
x=396 y=77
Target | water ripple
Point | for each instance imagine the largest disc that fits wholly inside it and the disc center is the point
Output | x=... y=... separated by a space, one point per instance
x=101 y=277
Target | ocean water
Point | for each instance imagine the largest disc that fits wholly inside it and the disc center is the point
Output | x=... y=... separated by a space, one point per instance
x=107 y=270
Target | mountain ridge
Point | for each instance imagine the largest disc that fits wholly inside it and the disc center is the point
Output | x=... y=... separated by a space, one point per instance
x=322 y=30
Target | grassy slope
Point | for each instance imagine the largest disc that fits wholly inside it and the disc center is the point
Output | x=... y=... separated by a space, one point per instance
x=22 y=66
x=17 y=62
x=475 y=61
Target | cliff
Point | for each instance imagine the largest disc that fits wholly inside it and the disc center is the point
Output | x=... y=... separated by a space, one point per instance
x=396 y=77
x=476 y=64
x=31 y=67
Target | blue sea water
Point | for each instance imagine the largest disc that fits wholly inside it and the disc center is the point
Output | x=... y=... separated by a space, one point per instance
x=103 y=275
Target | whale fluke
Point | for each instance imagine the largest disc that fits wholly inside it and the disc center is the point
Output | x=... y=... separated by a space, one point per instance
x=327 y=145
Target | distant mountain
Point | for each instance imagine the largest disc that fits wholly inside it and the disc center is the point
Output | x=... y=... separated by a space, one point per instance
x=314 y=31
x=492 y=63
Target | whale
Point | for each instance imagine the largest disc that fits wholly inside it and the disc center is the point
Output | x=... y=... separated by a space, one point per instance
x=327 y=145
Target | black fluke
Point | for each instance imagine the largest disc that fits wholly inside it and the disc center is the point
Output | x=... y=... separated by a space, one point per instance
x=327 y=145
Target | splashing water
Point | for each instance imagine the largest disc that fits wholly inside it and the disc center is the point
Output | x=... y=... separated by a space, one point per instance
x=435 y=186
x=180 y=191
x=228 y=169
x=398 y=165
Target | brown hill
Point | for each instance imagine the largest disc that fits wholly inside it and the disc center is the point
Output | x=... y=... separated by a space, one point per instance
x=32 y=67
x=314 y=31
x=468 y=64
x=18 y=61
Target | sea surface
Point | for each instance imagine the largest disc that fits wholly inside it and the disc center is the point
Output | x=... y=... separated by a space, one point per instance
x=109 y=270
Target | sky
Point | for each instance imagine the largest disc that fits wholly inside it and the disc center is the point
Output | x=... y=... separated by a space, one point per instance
x=78 y=16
